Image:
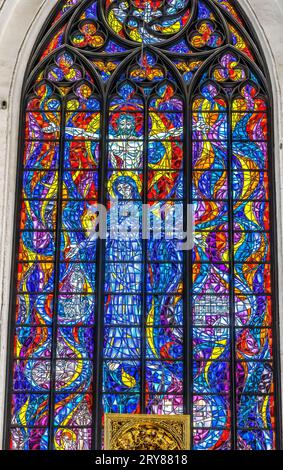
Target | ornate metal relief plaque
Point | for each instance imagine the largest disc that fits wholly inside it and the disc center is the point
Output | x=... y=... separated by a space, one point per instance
x=147 y=432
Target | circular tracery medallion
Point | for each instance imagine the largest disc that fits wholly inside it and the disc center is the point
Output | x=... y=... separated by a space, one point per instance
x=147 y=21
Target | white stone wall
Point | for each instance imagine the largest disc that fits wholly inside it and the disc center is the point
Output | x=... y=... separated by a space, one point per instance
x=20 y=23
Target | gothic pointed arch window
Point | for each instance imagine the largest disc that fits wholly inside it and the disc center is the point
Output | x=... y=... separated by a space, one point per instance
x=134 y=103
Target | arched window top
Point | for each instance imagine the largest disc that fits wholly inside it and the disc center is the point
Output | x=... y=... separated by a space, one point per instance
x=188 y=31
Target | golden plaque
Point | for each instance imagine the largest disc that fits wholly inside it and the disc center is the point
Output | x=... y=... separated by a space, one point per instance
x=147 y=432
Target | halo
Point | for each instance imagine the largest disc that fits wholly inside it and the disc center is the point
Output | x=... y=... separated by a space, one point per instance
x=112 y=183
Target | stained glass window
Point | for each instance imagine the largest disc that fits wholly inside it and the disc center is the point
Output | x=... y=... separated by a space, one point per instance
x=132 y=104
